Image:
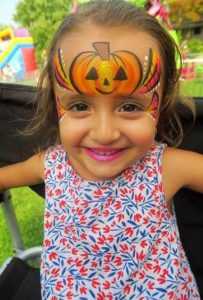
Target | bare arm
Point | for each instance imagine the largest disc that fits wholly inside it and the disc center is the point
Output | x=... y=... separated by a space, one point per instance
x=28 y=172
x=182 y=169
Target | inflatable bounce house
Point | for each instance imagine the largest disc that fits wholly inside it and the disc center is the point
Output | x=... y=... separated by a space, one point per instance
x=17 y=55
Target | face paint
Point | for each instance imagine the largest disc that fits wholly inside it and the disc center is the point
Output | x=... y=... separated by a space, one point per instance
x=59 y=69
x=60 y=110
x=104 y=72
x=154 y=106
x=100 y=71
x=152 y=74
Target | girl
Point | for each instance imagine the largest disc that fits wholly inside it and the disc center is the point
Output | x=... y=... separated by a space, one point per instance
x=109 y=88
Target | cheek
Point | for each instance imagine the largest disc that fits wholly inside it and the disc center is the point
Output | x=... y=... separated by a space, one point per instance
x=142 y=132
x=71 y=132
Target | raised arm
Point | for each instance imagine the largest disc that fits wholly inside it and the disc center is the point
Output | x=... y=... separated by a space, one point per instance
x=28 y=172
x=182 y=169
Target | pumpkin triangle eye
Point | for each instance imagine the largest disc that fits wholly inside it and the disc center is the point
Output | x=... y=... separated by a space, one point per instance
x=121 y=75
x=92 y=74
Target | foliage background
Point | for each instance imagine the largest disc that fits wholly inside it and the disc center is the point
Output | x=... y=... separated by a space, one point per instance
x=42 y=17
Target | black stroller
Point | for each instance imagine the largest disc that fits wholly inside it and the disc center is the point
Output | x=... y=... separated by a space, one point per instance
x=19 y=280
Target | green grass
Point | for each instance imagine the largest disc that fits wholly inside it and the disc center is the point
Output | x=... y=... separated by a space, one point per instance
x=29 y=211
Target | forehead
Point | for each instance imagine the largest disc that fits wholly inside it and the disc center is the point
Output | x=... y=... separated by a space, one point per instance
x=121 y=38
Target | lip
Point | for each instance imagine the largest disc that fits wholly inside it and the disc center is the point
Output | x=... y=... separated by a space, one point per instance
x=104 y=154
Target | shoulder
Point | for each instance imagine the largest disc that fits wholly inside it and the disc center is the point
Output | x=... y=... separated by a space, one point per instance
x=54 y=153
x=182 y=168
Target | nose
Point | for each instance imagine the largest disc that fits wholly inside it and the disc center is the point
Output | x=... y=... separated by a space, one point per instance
x=104 y=130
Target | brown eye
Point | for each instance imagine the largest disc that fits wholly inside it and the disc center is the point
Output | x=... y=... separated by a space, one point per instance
x=130 y=107
x=79 y=107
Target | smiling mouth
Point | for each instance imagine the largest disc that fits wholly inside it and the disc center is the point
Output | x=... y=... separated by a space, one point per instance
x=104 y=155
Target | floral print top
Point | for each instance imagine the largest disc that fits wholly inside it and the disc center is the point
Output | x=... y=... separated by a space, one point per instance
x=111 y=239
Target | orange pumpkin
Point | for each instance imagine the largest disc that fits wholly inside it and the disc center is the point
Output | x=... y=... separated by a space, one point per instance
x=95 y=72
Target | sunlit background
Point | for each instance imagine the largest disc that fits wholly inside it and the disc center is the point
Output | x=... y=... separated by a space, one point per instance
x=26 y=28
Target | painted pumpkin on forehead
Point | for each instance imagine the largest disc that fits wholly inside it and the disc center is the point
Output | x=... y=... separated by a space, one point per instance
x=103 y=72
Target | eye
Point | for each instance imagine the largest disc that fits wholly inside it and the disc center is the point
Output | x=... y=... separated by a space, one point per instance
x=77 y=107
x=131 y=107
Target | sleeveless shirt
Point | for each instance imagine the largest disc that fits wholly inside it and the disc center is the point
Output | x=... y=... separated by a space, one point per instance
x=112 y=239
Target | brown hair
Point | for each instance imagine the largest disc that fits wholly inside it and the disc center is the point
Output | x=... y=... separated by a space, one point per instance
x=113 y=13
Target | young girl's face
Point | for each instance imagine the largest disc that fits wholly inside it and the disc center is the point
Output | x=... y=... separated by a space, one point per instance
x=108 y=87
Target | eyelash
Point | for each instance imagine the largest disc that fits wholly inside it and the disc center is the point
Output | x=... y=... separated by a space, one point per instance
x=133 y=107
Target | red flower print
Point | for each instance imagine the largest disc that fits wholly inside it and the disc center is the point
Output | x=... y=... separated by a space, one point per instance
x=59 y=285
x=70 y=281
x=164 y=272
x=120 y=217
x=137 y=217
x=53 y=256
x=118 y=261
x=74 y=251
x=60 y=176
x=69 y=295
x=157 y=269
x=95 y=282
x=94 y=264
x=83 y=271
x=95 y=211
x=95 y=228
x=106 y=229
x=110 y=238
x=62 y=203
x=83 y=220
x=63 y=241
x=164 y=250
x=98 y=193
x=141 y=187
x=143 y=244
x=150 y=173
x=78 y=262
x=106 y=268
x=107 y=258
x=123 y=191
x=129 y=231
x=55 y=272
x=161 y=280
x=106 y=213
x=148 y=266
x=150 y=285
x=120 y=274
x=141 y=256
x=106 y=284
x=139 y=197
x=141 y=275
x=83 y=290
x=95 y=248
x=48 y=225
x=127 y=289
x=124 y=247
x=83 y=236
x=171 y=295
x=117 y=205
x=58 y=192
x=47 y=242
x=101 y=240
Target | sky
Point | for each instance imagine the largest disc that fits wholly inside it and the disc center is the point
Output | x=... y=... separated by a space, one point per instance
x=7 y=9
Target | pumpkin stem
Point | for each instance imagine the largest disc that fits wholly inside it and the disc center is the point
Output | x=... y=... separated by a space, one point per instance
x=103 y=49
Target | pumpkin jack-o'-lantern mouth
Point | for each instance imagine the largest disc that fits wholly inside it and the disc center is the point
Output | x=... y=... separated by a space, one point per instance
x=104 y=92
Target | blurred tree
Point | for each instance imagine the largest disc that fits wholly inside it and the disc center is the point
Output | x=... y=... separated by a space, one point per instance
x=2 y=26
x=41 y=18
x=185 y=10
x=139 y=3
